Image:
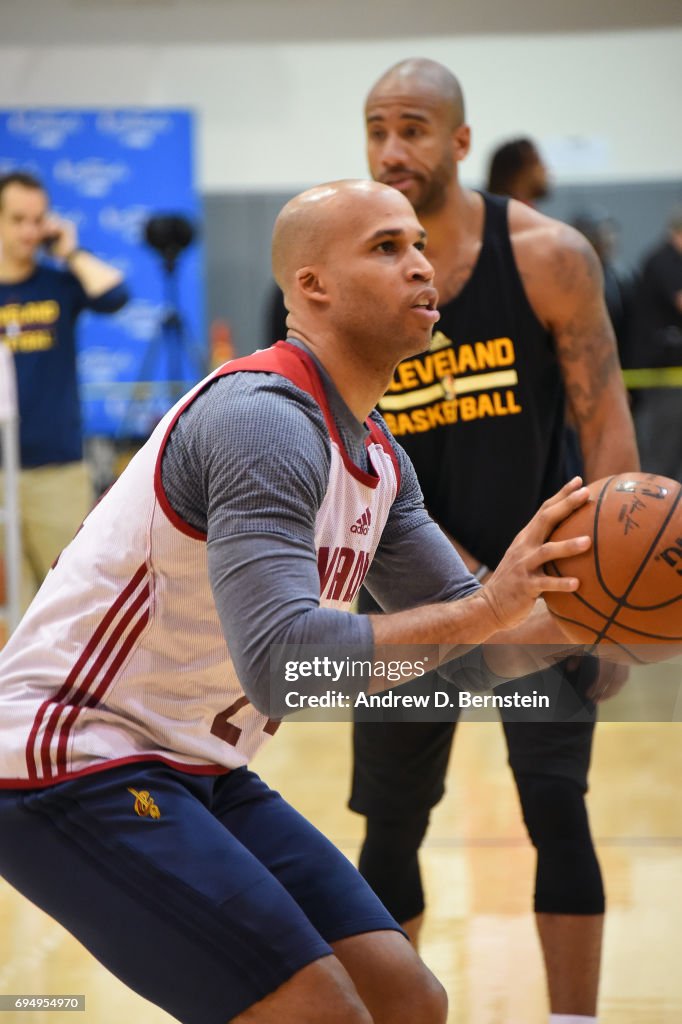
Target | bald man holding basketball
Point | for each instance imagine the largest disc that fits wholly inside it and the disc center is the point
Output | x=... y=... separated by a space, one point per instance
x=138 y=685
x=523 y=334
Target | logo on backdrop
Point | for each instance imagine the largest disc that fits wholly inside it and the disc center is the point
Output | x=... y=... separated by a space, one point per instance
x=99 y=364
x=101 y=170
x=7 y=166
x=136 y=130
x=140 y=319
x=76 y=216
x=125 y=221
x=44 y=130
x=92 y=177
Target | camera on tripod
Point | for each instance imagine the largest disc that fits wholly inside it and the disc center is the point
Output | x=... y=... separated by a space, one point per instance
x=169 y=234
x=172 y=361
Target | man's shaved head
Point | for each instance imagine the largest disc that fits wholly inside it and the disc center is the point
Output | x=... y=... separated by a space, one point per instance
x=349 y=257
x=422 y=77
x=297 y=237
x=310 y=221
x=416 y=134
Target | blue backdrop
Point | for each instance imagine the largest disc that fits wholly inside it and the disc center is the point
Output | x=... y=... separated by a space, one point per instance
x=109 y=171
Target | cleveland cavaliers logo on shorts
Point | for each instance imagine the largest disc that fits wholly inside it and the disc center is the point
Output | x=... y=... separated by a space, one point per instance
x=144 y=804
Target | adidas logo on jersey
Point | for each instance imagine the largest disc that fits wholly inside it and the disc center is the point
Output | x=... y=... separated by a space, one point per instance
x=361 y=525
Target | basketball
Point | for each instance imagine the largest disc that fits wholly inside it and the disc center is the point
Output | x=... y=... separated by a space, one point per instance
x=630 y=591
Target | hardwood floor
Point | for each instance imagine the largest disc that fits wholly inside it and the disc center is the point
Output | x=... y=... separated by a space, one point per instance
x=479 y=936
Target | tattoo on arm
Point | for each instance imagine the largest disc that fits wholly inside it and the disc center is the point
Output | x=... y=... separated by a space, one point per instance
x=585 y=341
x=590 y=366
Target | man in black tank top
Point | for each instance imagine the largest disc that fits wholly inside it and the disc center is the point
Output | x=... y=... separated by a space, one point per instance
x=523 y=334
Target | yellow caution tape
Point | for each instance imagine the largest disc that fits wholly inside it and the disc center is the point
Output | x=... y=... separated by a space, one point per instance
x=660 y=377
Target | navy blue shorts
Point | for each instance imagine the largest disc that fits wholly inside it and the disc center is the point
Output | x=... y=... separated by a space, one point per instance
x=203 y=894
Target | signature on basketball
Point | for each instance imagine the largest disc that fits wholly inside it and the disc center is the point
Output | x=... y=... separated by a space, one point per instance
x=638 y=490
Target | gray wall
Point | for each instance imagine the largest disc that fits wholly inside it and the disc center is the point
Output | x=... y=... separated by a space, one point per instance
x=237 y=231
x=238 y=281
x=640 y=209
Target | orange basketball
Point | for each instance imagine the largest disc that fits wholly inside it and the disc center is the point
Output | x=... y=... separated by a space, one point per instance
x=631 y=578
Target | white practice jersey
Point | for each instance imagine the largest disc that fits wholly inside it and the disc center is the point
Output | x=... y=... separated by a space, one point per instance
x=121 y=656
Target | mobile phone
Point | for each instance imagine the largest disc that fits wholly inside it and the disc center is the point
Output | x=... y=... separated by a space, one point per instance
x=49 y=241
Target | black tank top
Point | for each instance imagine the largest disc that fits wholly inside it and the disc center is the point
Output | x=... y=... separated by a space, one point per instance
x=481 y=415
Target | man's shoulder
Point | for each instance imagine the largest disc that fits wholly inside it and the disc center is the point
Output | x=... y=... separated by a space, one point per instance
x=551 y=256
x=258 y=401
x=537 y=233
x=49 y=272
x=256 y=382
x=42 y=277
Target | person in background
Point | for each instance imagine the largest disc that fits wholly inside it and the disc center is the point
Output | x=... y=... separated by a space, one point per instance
x=601 y=231
x=517 y=170
x=275 y=316
x=523 y=333
x=657 y=343
x=39 y=307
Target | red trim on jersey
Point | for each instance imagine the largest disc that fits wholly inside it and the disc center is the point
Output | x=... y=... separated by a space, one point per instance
x=379 y=437
x=78 y=698
x=71 y=679
x=81 y=693
x=189 y=769
x=94 y=698
x=178 y=522
x=297 y=366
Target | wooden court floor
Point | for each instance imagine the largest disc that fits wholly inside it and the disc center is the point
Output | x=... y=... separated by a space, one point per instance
x=479 y=938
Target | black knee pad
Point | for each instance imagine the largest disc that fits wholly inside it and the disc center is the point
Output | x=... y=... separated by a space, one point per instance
x=389 y=861
x=568 y=877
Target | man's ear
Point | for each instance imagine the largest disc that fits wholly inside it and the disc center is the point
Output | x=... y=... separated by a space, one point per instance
x=311 y=284
x=461 y=141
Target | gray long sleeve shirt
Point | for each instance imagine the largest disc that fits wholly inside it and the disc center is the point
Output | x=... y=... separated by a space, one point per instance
x=248 y=464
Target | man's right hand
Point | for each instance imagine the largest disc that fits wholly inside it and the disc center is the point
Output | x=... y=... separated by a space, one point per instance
x=506 y=600
x=61 y=235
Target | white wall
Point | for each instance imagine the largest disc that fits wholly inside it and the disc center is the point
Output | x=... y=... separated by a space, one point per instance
x=279 y=116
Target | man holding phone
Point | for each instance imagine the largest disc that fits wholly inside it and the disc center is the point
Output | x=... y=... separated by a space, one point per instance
x=39 y=306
